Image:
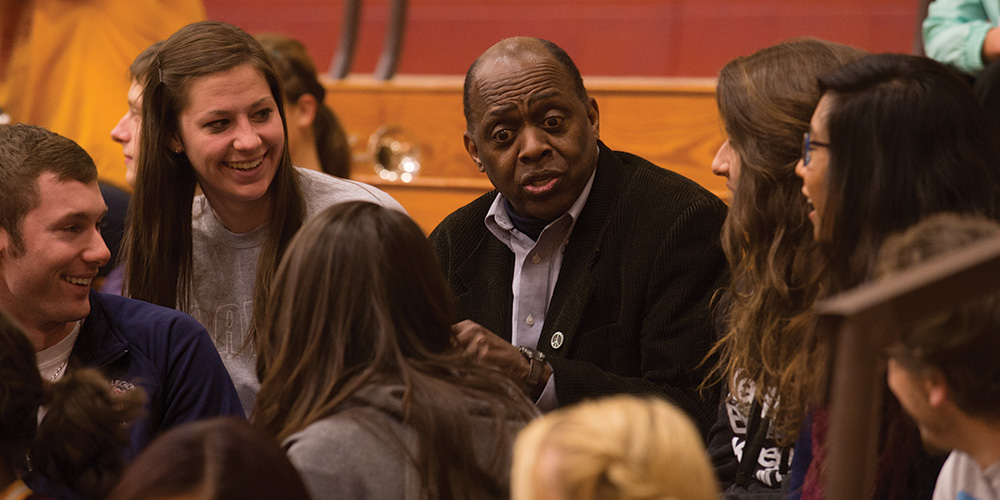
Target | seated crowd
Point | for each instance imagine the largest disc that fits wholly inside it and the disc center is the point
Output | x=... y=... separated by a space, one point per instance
x=596 y=327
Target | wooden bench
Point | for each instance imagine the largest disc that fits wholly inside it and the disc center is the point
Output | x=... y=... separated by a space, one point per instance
x=671 y=122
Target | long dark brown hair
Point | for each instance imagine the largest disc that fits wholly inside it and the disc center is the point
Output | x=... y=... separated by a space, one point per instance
x=766 y=100
x=158 y=240
x=907 y=140
x=359 y=299
x=298 y=77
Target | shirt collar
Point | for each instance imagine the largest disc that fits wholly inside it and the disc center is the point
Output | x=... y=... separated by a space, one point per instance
x=497 y=219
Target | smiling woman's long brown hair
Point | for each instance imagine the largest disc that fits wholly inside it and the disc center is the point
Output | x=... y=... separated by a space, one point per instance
x=158 y=241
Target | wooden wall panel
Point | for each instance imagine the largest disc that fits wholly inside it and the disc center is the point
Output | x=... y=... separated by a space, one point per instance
x=671 y=122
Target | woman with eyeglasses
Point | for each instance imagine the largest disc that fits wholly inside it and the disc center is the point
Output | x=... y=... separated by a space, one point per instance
x=893 y=139
x=765 y=100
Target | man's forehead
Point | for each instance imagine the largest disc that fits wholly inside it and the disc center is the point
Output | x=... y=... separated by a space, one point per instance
x=68 y=195
x=505 y=77
x=513 y=56
x=516 y=46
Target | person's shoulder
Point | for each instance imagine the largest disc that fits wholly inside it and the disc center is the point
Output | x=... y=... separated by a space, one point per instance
x=120 y=306
x=115 y=197
x=467 y=218
x=657 y=191
x=647 y=176
x=200 y=212
x=323 y=190
x=962 y=474
x=352 y=429
x=342 y=457
x=333 y=428
x=137 y=319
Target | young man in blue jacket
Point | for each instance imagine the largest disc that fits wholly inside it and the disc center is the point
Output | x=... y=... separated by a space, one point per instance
x=50 y=251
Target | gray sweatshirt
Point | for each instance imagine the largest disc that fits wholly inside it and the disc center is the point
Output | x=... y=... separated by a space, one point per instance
x=353 y=454
x=225 y=267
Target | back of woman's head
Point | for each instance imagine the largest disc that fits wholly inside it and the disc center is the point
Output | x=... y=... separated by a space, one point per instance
x=80 y=440
x=907 y=139
x=616 y=448
x=358 y=291
x=79 y=443
x=214 y=459
x=298 y=77
x=293 y=64
x=360 y=300
x=137 y=70
x=20 y=394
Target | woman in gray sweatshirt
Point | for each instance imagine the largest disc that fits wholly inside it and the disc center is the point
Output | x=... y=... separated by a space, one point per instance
x=360 y=377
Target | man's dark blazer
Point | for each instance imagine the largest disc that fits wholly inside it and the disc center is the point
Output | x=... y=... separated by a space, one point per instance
x=633 y=295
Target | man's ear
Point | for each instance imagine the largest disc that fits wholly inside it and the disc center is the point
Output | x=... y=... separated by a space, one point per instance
x=473 y=150
x=305 y=108
x=594 y=117
x=4 y=243
x=936 y=388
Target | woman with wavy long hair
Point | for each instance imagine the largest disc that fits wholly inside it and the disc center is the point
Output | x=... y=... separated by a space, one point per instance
x=765 y=101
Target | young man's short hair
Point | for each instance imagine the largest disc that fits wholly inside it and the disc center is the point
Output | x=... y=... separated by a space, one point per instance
x=963 y=344
x=25 y=152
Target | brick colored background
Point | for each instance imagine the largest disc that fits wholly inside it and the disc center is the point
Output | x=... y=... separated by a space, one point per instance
x=614 y=38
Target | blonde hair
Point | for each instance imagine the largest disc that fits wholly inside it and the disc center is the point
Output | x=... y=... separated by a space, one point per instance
x=621 y=447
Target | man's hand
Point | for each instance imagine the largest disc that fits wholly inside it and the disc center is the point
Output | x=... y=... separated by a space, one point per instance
x=489 y=349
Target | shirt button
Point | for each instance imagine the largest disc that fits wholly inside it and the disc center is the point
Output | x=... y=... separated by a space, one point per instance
x=530 y=320
x=536 y=259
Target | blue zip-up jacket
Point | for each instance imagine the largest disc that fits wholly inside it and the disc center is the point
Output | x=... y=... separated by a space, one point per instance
x=166 y=353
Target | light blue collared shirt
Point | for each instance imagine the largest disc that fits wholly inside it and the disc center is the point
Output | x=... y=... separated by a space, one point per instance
x=536 y=270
